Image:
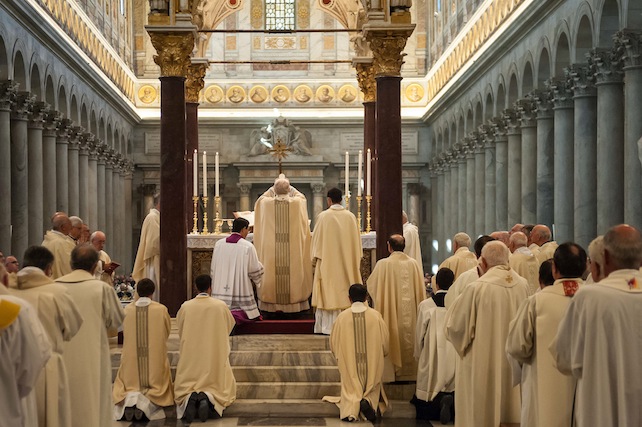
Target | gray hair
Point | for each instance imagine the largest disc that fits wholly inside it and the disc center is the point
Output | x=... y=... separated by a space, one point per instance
x=596 y=250
x=518 y=239
x=75 y=221
x=282 y=186
x=462 y=240
x=495 y=253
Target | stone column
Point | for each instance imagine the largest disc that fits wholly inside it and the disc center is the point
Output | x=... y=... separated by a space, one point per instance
x=129 y=210
x=528 y=123
x=479 y=212
x=49 y=133
x=610 y=138
x=35 y=179
x=109 y=195
x=501 y=174
x=629 y=43
x=319 y=202
x=445 y=214
x=173 y=45
x=470 y=185
x=514 y=135
x=488 y=140
x=460 y=207
x=448 y=189
x=244 y=196
x=414 y=191
x=148 y=191
x=62 y=166
x=436 y=215
x=7 y=98
x=92 y=195
x=100 y=184
x=585 y=154
x=545 y=159
x=563 y=165
x=74 y=186
x=368 y=86
x=20 y=174
x=193 y=86
x=83 y=177
x=387 y=43
x=119 y=207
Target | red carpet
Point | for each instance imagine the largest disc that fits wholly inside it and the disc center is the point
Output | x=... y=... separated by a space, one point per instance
x=303 y=326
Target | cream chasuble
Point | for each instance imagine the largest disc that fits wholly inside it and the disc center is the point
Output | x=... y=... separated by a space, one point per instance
x=464 y=279
x=527 y=266
x=477 y=326
x=87 y=357
x=147 y=264
x=397 y=287
x=204 y=327
x=413 y=247
x=282 y=242
x=60 y=246
x=546 y=251
x=599 y=344
x=61 y=320
x=359 y=342
x=547 y=394
x=435 y=355
x=103 y=260
x=462 y=260
x=144 y=379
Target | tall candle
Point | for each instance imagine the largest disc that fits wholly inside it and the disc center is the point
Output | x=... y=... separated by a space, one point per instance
x=359 y=173
x=368 y=173
x=195 y=180
x=216 y=178
x=205 y=174
x=347 y=187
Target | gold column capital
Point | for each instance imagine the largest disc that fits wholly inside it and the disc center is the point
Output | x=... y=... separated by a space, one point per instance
x=387 y=43
x=366 y=79
x=195 y=79
x=173 y=45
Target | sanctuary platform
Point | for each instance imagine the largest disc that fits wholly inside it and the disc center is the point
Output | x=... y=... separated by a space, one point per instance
x=284 y=376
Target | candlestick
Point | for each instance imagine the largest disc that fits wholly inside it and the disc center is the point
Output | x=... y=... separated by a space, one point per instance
x=217 y=219
x=368 y=200
x=205 y=174
x=195 y=180
x=347 y=173
x=205 y=230
x=359 y=213
x=195 y=228
x=216 y=178
x=359 y=173
x=368 y=173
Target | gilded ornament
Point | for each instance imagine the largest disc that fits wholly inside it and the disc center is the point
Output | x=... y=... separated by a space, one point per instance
x=256 y=14
x=147 y=94
x=325 y=94
x=236 y=94
x=367 y=82
x=214 y=94
x=258 y=94
x=174 y=50
x=195 y=81
x=280 y=94
x=347 y=93
x=414 y=92
x=303 y=94
x=387 y=52
x=303 y=13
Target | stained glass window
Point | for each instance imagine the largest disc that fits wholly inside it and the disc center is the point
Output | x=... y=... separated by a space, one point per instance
x=279 y=14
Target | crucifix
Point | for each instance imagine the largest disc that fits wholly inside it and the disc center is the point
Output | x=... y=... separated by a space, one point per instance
x=280 y=151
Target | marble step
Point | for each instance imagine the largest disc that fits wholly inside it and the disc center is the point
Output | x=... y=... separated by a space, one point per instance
x=279 y=342
x=270 y=374
x=310 y=390
x=282 y=358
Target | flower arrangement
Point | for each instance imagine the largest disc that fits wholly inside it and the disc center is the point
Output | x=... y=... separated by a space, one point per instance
x=125 y=287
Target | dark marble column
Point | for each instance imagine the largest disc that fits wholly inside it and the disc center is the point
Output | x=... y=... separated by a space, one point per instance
x=35 y=161
x=585 y=154
x=369 y=126
x=545 y=160
x=49 y=133
x=129 y=209
x=7 y=98
x=528 y=124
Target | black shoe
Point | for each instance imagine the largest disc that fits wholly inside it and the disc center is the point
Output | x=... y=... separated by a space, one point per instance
x=367 y=410
x=446 y=408
x=203 y=410
x=129 y=413
x=190 y=411
x=139 y=415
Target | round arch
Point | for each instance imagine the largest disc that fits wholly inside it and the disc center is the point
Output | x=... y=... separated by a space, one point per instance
x=20 y=71
x=609 y=22
x=562 y=54
x=4 y=61
x=35 y=82
x=583 y=38
x=527 y=77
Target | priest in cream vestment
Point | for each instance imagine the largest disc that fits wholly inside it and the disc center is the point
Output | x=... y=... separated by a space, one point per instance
x=462 y=259
x=336 y=256
x=147 y=263
x=204 y=327
x=87 y=357
x=59 y=243
x=397 y=287
x=599 y=341
x=547 y=394
x=143 y=384
x=467 y=277
x=523 y=261
x=477 y=326
x=61 y=320
x=282 y=242
x=413 y=247
x=359 y=342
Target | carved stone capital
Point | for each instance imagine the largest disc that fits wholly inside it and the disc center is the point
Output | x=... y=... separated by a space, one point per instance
x=22 y=106
x=64 y=127
x=628 y=43
x=607 y=66
x=499 y=126
x=512 y=117
x=387 y=44
x=75 y=132
x=173 y=48
x=195 y=80
x=318 y=188
x=244 y=189
x=147 y=189
x=527 y=109
x=562 y=92
x=8 y=91
x=543 y=100
x=51 y=122
x=37 y=113
x=366 y=80
x=583 y=79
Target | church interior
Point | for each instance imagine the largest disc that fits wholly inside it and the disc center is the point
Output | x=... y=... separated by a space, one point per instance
x=499 y=112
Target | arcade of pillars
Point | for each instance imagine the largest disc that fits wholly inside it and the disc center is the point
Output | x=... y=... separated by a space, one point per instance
x=565 y=155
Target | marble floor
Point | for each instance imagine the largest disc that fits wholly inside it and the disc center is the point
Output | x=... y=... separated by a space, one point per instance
x=288 y=422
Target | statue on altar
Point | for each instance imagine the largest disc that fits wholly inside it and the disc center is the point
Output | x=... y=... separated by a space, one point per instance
x=282 y=131
x=282 y=241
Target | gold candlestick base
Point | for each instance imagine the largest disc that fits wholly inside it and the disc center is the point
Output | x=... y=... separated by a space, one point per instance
x=205 y=230
x=359 y=213
x=217 y=216
x=195 y=228
x=368 y=200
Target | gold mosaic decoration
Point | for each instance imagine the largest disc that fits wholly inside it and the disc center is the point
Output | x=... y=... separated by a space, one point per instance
x=348 y=93
x=147 y=94
x=258 y=94
x=414 y=92
x=213 y=94
x=280 y=94
x=280 y=42
x=236 y=94
x=325 y=94
x=303 y=94
x=256 y=14
x=303 y=14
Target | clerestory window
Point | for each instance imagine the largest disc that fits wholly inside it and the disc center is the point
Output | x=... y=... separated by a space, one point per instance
x=280 y=14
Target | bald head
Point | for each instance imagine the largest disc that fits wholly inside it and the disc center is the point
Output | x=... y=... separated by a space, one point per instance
x=396 y=243
x=84 y=257
x=516 y=228
x=493 y=254
x=61 y=223
x=502 y=236
x=98 y=240
x=517 y=240
x=404 y=217
x=622 y=248
x=540 y=234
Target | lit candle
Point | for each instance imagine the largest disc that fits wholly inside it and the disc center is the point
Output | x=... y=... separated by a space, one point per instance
x=347 y=174
x=195 y=180
x=359 y=173
x=216 y=179
x=368 y=173
x=205 y=174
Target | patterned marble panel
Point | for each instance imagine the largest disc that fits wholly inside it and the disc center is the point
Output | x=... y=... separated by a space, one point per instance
x=286 y=374
x=282 y=358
